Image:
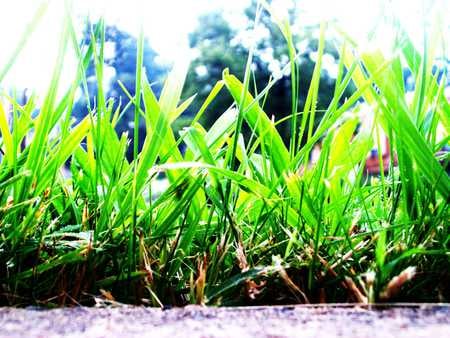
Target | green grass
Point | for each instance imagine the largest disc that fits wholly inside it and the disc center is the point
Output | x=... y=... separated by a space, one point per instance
x=243 y=220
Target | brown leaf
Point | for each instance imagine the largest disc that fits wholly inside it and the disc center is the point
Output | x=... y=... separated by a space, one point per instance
x=107 y=295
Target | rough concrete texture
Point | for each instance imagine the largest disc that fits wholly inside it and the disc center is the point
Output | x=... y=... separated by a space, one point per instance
x=287 y=321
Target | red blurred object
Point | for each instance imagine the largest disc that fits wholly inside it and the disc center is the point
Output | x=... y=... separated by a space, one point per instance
x=373 y=161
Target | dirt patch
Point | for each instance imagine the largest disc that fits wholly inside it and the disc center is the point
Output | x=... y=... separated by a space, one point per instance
x=192 y=321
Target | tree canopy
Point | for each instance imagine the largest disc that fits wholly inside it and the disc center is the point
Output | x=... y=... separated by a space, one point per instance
x=219 y=46
x=119 y=65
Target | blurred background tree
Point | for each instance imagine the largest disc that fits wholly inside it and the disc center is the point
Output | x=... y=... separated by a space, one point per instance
x=120 y=65
x=219 y=46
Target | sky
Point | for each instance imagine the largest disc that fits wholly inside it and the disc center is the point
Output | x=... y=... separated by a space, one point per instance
x=166 y=24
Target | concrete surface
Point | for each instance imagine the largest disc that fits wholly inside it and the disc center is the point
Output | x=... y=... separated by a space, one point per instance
x=193 y=321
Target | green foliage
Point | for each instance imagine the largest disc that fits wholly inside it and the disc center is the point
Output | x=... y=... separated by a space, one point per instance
x=220 y=46
x=241 y=219
x=120 y=59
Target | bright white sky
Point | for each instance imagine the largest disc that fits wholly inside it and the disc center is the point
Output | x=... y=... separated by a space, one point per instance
x=167 y=24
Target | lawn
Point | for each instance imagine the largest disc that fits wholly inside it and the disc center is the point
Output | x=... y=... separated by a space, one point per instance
x=244 y=218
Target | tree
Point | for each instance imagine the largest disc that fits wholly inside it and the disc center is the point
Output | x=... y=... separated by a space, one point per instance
x=120 y=63
x=219 y=47
x=213 y=42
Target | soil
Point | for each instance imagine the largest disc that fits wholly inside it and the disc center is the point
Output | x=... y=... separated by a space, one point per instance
x=192 y=321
